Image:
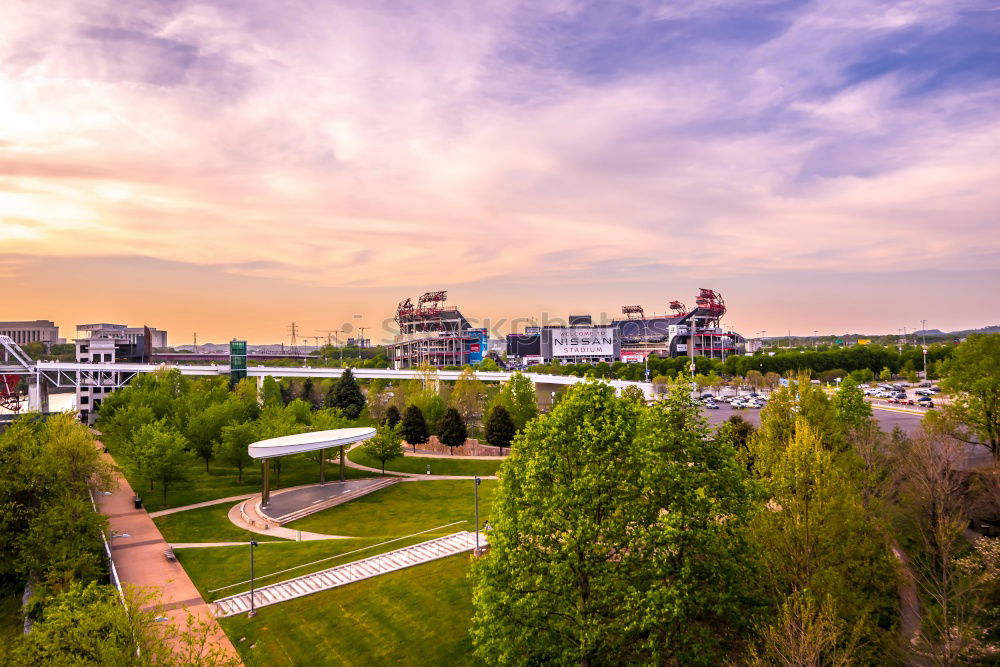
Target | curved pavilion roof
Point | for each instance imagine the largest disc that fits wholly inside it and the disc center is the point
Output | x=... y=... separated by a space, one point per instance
x=308 y=442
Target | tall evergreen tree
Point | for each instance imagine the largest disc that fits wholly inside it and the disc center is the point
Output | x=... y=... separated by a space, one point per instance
x=500 y=429
x=346 y=395
x=415 y=427
x=392 y=416
x=452 y=429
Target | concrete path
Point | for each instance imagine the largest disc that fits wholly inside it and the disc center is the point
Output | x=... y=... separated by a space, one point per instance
x=347 y=573
x=242 y=511
x=198 y=545
x=414 y=477
x=137 y=553
x=207 y=503
x=420 y=453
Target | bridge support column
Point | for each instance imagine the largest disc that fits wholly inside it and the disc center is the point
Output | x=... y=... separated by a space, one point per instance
x=38 y=394
x=342 y=463
x=322 y=466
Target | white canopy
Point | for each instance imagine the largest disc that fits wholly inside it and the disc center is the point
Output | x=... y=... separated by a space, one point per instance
x=308 y=442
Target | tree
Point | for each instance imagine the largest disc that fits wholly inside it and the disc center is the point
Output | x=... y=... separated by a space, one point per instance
x=467 y=396
x=385 y=446
x=607 y=546
x=850 y=405
x=660 y=384
x=697 y=597
x=885 y=374
x=414 y=427
x=63 y=542
x=554 y=586
x=771 y=381
x=163 y=455
x=392 y=416
x=346 y=395
x=271 y=393
x=378 y=400
x=738 y=431
x=518 y=396
x=500 y=428
x=453 y=431
x=755 y=379
x=232 y=446
x=634 y=393
x=972 y=381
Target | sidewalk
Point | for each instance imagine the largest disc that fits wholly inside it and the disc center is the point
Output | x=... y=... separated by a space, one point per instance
x=137 y=551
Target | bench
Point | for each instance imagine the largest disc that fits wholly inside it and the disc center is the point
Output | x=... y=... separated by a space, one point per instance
x=168 y=553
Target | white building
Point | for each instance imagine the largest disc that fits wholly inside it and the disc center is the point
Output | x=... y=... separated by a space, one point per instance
x=38 y=331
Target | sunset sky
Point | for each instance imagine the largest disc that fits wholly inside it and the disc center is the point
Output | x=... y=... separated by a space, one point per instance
x=227 y=168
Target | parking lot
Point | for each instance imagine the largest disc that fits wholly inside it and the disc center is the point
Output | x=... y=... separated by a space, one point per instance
x=887 y=418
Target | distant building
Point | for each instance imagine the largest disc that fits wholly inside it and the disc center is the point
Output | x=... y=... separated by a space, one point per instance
x=133 y=335
x=38 y=331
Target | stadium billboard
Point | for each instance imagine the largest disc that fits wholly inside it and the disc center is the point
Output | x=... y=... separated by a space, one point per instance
x=583 y=342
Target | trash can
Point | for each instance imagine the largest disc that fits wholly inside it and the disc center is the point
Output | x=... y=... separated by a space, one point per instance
x=137 y=501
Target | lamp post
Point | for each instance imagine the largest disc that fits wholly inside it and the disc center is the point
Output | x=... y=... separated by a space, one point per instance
x=253 y=609
x=477 y=511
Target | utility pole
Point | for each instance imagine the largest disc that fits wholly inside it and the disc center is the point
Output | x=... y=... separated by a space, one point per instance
x=923 y=332
x=294 y=330
x=196 y=342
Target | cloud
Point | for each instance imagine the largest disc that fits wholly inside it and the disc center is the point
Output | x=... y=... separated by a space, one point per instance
x=383 y=145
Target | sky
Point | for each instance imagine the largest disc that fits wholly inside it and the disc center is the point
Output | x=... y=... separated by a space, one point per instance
x=227 y=168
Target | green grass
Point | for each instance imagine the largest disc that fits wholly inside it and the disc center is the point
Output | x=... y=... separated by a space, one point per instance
x=404 y=508
x=213 y=567
x=439 y=466
x=221 y=481
x=204 y=524
x=419 y=615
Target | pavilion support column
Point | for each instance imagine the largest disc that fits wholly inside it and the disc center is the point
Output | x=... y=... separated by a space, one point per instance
x=322 y=466
x=341 y=464
x=265 y=483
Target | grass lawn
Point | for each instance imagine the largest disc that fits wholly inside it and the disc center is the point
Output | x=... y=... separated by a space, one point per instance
x=204 y=524
x=439 y=466
x=213 y=567
x=404 y=508
x=221 y=480
x=419 y=615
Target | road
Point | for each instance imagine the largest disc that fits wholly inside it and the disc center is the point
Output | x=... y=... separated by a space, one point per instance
x=887 y=419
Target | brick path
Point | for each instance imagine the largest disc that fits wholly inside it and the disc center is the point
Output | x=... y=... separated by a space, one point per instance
x=139 y=561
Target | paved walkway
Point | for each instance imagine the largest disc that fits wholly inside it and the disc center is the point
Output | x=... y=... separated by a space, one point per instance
x=415 y=477
x=198 y=545
x=137 y=551
x=236 y=516
x=207 y=503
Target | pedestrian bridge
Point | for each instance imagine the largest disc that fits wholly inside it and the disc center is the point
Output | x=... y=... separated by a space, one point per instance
x=44 y=374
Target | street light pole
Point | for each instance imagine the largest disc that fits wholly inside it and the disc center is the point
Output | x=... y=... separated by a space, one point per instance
x=253 y=609
x=477 y=511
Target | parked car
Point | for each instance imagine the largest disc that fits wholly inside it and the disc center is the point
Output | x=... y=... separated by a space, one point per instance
x=707 y=395
x=925 y=401
x=924 y=392
x=936 y=389
x=900 y=394
x=711 y=406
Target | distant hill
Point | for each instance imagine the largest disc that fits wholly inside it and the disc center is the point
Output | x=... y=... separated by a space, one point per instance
x=964 y=332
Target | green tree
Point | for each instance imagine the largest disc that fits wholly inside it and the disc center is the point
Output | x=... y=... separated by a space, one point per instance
x=392 y=416
x=346 y=395
x=271 y=393
x=555 y=584
x=500 y=428
x=850 y=405
x=414 y=427
x=467 y=396
x=163 y=456
x=385 y=446
x=453 y=431
x=697 y=599
x=232 y=446
x=973 y=382
x=63 y=542
x=518 y=396
x=885 y=374
x=431 y=405
x=755 y=379
x=634 y=393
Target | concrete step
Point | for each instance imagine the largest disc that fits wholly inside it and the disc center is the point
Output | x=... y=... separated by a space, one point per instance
x=332 y=502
